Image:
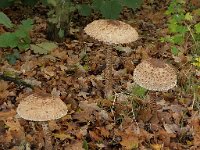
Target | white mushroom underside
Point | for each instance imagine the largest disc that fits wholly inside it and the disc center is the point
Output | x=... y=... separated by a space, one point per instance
x=35 y=108
x=111 y=32
x=155 y=78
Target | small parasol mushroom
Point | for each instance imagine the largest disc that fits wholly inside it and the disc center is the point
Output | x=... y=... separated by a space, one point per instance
x=155 y=75
x=42 y=108
x=110 y=32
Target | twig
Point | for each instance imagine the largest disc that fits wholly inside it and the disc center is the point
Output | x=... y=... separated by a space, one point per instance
x=15 y=80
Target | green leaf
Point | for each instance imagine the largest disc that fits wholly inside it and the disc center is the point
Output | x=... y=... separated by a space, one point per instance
x=188 y=16
x=85 y=145
x=12 y=58
x=52 y=2
x=43 y=48
x=29 y=2
x=178 y=39
x=84 y=9
x=172 y=27
x=181 y=29
x=196 y=62
x=111 y=9
x=132 y=3
x=197 y=28
x=6 y=3
x=96 y=4
x=5 y=20
x=26 y=25
x=175 y=51
x=61 y=33
x=139 y=91
x=8 y=40
x=178 y=17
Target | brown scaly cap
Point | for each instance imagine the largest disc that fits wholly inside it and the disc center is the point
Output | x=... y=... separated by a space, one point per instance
x=155 y=75
x=41 y=108
x=111 y=31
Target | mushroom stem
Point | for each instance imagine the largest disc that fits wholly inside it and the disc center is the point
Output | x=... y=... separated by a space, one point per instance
x=108 y=73
x=47 y=136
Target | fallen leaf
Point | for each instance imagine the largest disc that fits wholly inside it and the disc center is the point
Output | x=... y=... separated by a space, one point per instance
x=3 y=85
x=76 y=145
x=8 y=114
x=88 y=106
x=94 y=136
x=157 y=146
x=62 y=136
x=43 y=48
x=130 y=142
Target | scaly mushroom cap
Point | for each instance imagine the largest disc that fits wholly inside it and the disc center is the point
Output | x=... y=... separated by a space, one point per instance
x=41 y=108
x=155 y=75
x=111 y=31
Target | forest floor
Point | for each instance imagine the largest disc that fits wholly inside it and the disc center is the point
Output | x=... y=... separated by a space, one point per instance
x=75 y=71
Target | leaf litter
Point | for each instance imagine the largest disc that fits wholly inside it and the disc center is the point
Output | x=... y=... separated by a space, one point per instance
x=75 y=71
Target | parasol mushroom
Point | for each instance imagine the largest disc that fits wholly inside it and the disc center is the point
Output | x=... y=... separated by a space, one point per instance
x=155 y=75
x=42 y=108
x=110 y=32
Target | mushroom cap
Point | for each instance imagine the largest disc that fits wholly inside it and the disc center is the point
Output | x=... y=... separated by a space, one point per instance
x=111 y=31
x=155 y=75
x=41 y=108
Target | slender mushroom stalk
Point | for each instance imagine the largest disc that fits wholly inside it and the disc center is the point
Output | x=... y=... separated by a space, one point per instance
x=42 y=108
x=110 y=32
x=47 y=136
x=108 y=73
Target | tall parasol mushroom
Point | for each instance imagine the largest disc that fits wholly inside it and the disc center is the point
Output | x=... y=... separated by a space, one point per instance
x=110 y=32
x=42 y=108
x=155 y=75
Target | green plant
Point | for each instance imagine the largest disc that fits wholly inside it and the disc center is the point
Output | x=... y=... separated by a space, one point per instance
x=19 y=38
x=196 y=62
x=111 y=9
x=138 y=91
x=12 y=57
x=183 y=26
x=61 y=11
x=59 y=18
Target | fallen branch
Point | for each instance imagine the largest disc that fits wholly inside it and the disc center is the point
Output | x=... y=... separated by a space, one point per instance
x=15 y=80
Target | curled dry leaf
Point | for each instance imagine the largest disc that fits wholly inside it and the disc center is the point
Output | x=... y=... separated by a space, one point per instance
x=3 y=85
x=76 y=145
x=8 y=114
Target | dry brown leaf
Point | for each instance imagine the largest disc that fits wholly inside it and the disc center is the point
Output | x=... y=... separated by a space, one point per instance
x=8 y=114
x=6 y=138
x=15 y=129
x=63 y=136
x=94 y=136
x=155 y=17
x=83 y=116
x=3 y=85
x=130 y=141
x=196 y=3
x=171 y=128
x=28 y=66
x=157 y=146
x=82 y=132
x=49 y=71
x=196 y=127
x=104 y=132
x=88 y=106
x=77 y=145
x=165 y=137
